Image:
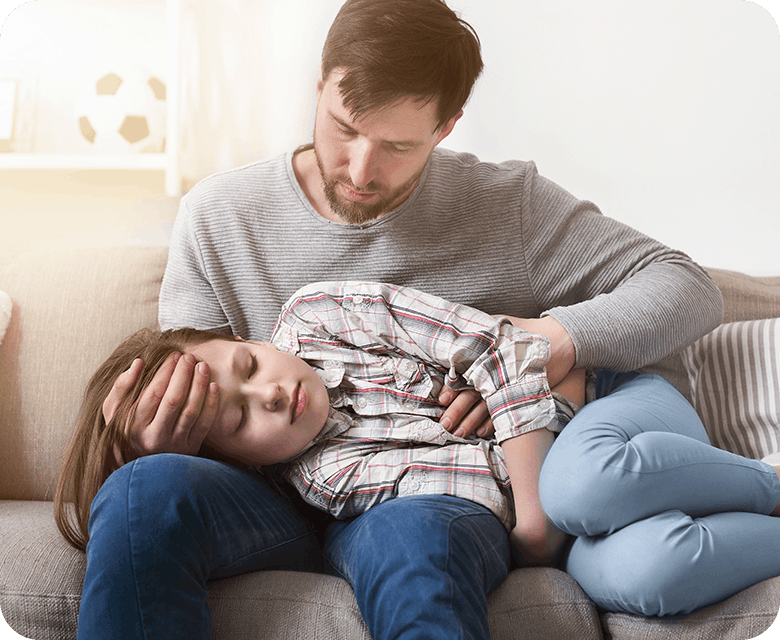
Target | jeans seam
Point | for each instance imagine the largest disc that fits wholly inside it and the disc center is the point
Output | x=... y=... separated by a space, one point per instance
x=132 y=555
x=447 y=566
x=265 y=550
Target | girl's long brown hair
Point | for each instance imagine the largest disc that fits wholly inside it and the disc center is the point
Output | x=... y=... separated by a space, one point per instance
x=89 y=459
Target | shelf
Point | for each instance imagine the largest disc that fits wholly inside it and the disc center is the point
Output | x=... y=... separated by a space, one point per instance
x=71 y=161
x=167 y=162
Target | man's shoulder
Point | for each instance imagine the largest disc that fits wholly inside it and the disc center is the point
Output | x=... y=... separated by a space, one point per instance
x=448 y=161
x=241 y=182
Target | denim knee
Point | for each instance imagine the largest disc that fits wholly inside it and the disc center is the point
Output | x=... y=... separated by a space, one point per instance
x=422 y=566
x=154 y=496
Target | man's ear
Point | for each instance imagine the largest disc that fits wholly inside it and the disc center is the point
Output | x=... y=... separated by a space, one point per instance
x=449 y=126
x=320 y=83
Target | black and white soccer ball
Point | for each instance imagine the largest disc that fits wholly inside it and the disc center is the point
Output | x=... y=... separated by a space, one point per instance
x=122 y=111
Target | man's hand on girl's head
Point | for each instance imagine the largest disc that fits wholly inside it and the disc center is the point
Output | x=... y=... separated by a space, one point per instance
x=174 y=413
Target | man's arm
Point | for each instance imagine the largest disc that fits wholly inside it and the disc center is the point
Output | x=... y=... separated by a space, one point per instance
x=625 y=299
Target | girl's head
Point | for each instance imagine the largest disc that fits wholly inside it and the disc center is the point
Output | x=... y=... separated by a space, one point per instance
x=271 y=405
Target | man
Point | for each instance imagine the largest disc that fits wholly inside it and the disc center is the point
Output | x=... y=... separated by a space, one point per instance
x=373 y=198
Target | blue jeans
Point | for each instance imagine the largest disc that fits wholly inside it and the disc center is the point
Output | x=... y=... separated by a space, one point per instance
x=665 y=523
x=163 y=526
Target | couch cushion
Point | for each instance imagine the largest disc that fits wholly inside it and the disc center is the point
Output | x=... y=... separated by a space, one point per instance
x=734 y=372
x=745 y=615
x=40 y=574
x=41 y=578
x=71 y=309
x=747 y=297
x=744 y=298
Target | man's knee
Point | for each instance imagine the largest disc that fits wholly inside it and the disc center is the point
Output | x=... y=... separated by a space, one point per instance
x=157 y=489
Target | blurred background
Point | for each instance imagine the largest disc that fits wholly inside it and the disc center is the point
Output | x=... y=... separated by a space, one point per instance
x=665 y=114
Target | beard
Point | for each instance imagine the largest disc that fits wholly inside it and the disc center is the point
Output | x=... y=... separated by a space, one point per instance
x=357 y=212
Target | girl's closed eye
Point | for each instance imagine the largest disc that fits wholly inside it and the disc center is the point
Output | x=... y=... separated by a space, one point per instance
x=252 y=366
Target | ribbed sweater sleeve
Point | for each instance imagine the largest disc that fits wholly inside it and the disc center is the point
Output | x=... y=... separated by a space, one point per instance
x=626 y=300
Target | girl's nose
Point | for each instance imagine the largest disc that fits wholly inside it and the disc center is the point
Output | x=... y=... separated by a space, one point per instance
x=270 y=395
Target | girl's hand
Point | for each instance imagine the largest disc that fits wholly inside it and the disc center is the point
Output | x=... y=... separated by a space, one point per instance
x=173 y=414
x=466 y=413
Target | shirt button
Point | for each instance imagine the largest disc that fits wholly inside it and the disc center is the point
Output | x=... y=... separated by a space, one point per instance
x=358 y=300
x=361 y=403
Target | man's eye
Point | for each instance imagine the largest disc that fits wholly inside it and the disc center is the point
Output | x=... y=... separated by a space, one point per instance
x=252 y=367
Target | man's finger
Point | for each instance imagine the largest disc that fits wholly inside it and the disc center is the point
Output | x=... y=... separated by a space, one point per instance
x=122 y=385
x=151 y=397
x=206 y=419
x=197 y=414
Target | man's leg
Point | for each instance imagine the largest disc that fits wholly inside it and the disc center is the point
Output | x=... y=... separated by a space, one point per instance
x=422 y=566
x=161 y=526
x=667 y=522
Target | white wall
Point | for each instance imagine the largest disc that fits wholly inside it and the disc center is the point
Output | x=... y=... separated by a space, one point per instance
x=666 y=113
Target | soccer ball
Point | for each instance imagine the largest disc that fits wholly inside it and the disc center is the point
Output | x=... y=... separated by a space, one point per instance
x=121 y=111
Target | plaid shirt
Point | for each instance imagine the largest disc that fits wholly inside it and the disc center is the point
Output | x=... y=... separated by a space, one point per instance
x=384 y=353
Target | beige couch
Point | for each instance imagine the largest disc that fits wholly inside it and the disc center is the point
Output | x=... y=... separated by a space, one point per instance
x=70 y=309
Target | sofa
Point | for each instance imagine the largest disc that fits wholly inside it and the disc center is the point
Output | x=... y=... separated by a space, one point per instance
x=66 y=310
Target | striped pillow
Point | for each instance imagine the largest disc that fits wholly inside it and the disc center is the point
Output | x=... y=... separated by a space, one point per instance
x=734 y=373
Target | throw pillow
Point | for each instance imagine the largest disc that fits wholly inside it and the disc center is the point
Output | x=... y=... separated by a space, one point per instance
x=5 y=313
x=734 y=372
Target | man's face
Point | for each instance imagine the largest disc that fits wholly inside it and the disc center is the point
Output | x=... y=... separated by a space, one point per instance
x=371 y=165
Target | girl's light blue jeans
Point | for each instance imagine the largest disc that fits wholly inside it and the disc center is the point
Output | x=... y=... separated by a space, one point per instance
x=162 y=527
x=665 y=523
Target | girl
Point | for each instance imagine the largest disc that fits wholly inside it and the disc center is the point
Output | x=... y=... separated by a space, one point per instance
x=345 y=396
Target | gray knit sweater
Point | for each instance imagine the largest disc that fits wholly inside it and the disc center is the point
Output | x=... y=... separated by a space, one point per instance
x=498 y=237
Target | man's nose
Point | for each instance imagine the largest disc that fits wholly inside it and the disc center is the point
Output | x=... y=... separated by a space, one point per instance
x=362 y=164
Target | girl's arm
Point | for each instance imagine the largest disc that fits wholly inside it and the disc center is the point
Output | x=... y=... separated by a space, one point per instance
x=534 y=535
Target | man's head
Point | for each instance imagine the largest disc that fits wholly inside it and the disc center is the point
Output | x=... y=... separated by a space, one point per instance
x=395 y=77
x=389 y=50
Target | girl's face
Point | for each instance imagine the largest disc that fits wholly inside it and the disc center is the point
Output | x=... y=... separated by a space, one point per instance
x=271 y=404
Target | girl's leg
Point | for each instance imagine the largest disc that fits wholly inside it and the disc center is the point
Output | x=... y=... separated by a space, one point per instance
x=672 y=564
x=162 y=526
x=640 y=450
x=667 y=523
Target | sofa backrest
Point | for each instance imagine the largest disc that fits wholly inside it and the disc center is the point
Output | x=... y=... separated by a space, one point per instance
x=71 y=309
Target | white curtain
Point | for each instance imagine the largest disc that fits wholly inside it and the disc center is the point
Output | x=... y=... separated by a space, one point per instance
x=248 y=72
